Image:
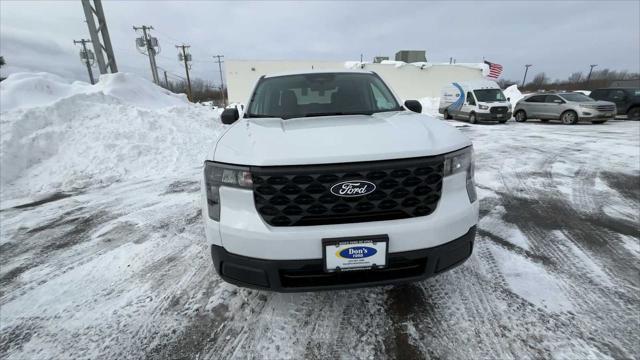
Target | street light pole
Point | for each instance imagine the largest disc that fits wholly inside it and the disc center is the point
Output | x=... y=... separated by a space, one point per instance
x=590 y=71
x=526 y=69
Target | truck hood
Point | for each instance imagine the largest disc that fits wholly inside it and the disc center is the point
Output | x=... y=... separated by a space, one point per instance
x=336 y=139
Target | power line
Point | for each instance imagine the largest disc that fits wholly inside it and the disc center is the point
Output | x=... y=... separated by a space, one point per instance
x=149 y=44
x=186 y=58
x=87 y=57
x=224 y=100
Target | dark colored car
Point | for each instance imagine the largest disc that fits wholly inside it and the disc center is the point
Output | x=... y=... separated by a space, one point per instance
x=627 y=100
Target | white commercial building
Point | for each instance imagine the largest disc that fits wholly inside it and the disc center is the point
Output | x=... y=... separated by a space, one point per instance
x=409 y=81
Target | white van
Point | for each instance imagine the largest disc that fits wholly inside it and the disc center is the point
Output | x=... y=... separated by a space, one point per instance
x=474 y=101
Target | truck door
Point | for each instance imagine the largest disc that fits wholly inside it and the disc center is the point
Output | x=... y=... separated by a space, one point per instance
x=469 y=104
x=552 y=107
x=619 y=97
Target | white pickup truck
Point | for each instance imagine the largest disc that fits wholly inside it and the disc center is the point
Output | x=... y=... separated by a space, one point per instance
x=328 y=182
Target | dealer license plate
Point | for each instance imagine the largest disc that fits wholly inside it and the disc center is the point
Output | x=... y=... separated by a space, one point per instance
x=355 y=253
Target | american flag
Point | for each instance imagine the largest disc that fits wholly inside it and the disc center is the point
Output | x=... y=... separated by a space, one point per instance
x=494 y=70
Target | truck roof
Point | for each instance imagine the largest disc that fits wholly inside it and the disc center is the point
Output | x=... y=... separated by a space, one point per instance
x=319 y=71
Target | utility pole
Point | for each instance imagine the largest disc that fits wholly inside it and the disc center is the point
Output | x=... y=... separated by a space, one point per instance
x=526 y=69
x=224 y=100
x=590 y=71
x=87 y=57
x=149 y=44
x=186 y=58
x=101 y=47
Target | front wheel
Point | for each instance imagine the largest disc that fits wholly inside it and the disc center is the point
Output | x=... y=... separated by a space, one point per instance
x=569 y=117
x=446 y=115
x=472 y=118
x=634 y=113
x=521 y=116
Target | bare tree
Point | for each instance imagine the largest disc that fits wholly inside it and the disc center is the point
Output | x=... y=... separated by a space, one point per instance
x=539 y=81
x=504 y=83
x=576 y=77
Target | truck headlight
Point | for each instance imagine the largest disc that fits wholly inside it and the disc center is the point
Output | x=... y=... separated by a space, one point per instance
x=217 y=175
x=483 y=107
x=462 y=160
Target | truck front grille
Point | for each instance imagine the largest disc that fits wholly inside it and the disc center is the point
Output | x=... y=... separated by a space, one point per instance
x=499 y=109
x=301 y=196
x=606 y=108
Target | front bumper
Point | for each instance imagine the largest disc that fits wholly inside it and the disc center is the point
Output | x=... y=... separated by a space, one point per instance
x=493 y=117
x=242 y=231
x=594 y=115
x=308 y=275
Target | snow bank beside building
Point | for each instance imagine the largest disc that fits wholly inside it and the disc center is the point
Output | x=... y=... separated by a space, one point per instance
x=513 y=94
x=60 y=136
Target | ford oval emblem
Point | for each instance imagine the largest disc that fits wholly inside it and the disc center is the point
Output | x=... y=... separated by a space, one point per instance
x=353 y=188
x=357 y=252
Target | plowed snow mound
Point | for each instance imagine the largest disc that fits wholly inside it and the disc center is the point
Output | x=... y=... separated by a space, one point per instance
x=59 y=136
x=27 y=90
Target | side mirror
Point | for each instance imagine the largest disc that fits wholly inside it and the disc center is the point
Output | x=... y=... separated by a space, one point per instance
x=229 y=116
x=509 y=99
x=413 y=105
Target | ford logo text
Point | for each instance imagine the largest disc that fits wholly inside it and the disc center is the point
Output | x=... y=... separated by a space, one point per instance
x=357 y=252
x=353 y=188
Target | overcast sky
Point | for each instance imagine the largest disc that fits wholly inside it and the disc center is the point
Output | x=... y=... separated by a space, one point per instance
x=557 y=37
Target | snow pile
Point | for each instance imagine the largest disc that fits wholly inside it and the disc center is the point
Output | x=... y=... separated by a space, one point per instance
x=430 y=105
x=513 y=94
x=353 y=65
x=395 y=63
x=61 y=136
x=27 y=90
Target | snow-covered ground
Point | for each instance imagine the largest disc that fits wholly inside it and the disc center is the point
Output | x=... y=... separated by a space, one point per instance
x=103 y=255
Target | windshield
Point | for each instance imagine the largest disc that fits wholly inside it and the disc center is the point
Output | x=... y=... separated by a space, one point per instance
x=321 y=94
x=490 y=95
x=577 y=97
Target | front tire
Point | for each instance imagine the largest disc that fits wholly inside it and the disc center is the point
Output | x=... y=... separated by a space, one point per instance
x=569 y=117
x=521 y=116
x=446 y=115
x=634 y=113
x=472 y=118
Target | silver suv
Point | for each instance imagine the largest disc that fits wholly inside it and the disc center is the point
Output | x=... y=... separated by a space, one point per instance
x=569 y=108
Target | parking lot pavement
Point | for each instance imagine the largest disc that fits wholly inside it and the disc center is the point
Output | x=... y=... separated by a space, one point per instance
x=124 y=272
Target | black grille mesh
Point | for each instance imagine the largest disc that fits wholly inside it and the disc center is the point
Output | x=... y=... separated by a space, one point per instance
x=300 y=195
x=499 y=109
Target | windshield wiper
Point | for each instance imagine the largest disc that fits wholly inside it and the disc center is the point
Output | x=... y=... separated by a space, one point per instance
x=262 y=116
